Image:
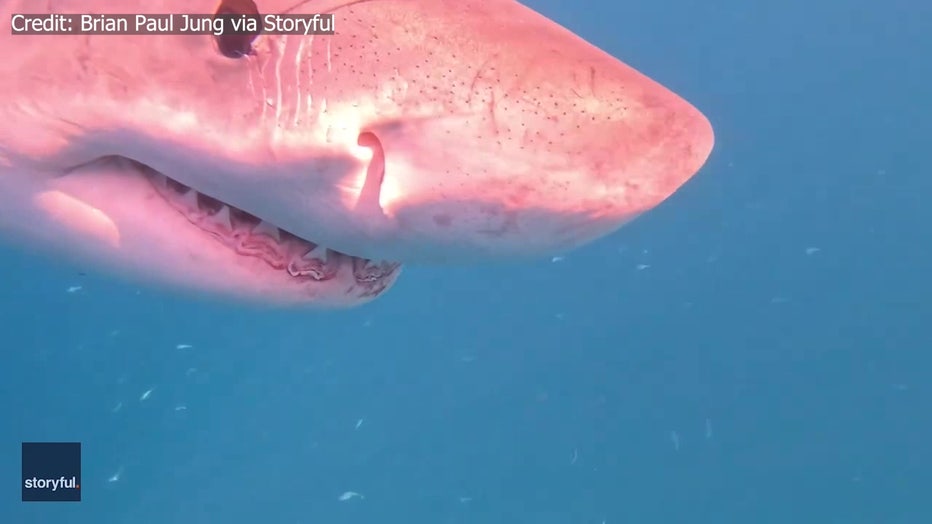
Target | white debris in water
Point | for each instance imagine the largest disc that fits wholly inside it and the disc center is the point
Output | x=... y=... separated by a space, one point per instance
x=75 y=289
x=464 y=500
x=642 y=267
x=116 y=476
x=558 y=259
x=181 y=408
x=350 y=495
x=675 y=439
x=184 y=346
x=117 y=407
x=145 y=394
x=812 y=250
x=358 y=423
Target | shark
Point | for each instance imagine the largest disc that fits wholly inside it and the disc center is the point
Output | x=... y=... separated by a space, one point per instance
x=307 y=169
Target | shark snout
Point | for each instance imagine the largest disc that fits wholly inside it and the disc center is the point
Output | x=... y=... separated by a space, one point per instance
x=545 y=153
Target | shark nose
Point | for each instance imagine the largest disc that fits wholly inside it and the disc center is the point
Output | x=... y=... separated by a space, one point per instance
x=612 y=142
x=521 y=180
x=650 y=152
x=529 y=152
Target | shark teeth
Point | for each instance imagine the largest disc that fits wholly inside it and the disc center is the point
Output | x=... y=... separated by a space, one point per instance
x=189 y=200
x=319 y=263
x=319 y=253
x=266 y=229
x=251 y=236
x=221 y=219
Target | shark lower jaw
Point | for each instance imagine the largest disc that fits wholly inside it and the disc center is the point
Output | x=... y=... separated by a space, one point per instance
x=250 y=236
x=314 y=270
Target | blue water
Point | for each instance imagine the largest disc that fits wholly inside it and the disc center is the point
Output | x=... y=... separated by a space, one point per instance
x=771 y=365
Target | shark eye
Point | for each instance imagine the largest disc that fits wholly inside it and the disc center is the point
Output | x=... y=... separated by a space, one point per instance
x=236 y=43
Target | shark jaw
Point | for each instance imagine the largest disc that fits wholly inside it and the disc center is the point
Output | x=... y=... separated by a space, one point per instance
x=307 y=263
x=133 y=220
x=306 y=169
x=250 y=236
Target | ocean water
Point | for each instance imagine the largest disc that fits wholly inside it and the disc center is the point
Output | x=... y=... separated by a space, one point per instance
x=754 y=350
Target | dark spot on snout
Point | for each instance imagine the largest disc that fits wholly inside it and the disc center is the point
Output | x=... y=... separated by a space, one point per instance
x=237 y=42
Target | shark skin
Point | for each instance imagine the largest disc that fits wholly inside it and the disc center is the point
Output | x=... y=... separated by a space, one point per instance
x=308 y=170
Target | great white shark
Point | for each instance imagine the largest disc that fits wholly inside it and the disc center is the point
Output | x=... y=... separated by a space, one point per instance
x=292 y=169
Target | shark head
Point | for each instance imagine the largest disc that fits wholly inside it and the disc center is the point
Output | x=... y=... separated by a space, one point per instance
x=292 y=168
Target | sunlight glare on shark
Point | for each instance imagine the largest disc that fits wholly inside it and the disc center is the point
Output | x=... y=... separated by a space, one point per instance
x=305 y=170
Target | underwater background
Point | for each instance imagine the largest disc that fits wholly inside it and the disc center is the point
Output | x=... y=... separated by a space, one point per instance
x=754 y=350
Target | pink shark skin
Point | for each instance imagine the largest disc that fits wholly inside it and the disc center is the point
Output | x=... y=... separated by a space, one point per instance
x=423 y=131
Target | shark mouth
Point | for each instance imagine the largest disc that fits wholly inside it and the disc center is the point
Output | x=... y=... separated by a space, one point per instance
x=250 y=236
